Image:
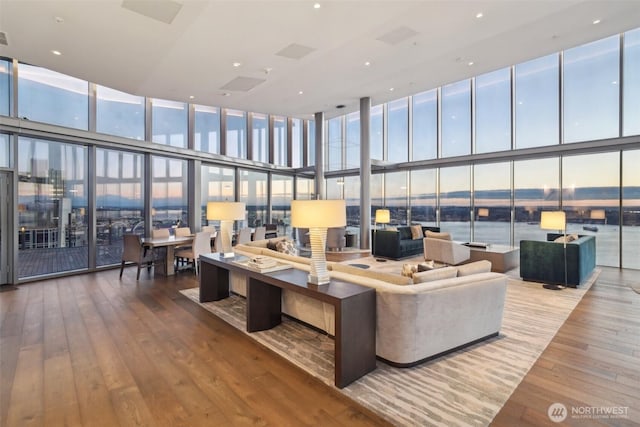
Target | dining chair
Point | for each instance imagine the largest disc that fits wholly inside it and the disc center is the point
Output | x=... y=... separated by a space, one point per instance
x=182 y=232
x=201 y=245
x=260 y=233
x=133 y=251
x=160 y=233
x=209 y=228
x=244 y=236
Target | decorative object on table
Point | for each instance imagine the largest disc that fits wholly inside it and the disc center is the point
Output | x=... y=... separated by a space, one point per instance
x=556 y=220
x=318 y=215
x=226 y=213
x=383 y=216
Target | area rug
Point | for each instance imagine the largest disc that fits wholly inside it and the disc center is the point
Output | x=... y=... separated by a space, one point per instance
x=464 y=388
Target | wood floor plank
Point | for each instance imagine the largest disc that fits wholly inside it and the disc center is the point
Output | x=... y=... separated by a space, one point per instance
x=61 y=406
x=27 y=403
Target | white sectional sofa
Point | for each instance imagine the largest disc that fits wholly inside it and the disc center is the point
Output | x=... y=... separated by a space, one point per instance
x=452 y=308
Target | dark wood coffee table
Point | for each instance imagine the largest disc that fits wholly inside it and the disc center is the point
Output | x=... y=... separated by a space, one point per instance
x=354 y=308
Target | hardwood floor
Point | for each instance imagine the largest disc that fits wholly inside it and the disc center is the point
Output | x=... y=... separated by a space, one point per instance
x=93 y=350
x=593 y=361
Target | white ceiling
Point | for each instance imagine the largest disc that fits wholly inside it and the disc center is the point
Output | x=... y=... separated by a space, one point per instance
x=104 y=42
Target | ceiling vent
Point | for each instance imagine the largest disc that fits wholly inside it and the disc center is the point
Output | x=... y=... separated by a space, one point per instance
x=3 y=38
x=295 y=51
x=242 y=84
x=160 y=10
x=398 y=35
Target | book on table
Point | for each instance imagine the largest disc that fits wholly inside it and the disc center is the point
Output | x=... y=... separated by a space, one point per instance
x=263 y=264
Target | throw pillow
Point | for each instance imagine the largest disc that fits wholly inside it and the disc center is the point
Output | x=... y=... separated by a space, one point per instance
x=286 y=247
x=272 y=245
x=435 y=235
x=409 y=269
x=433 y=275
x=482 y=266
x=416 y=232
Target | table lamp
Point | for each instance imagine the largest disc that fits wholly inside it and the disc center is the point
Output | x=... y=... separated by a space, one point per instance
x=317 y=216
x=226 y=213
x=556 y=220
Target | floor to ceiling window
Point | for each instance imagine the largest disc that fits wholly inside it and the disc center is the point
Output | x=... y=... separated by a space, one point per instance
x=260 y=137
x=54 y=98
x=455 y=202
x=376 y=128
x=456 y=119
x=395 y=196
x=254 y=192
x=492 y=202
x=217 y=184
x=398 y=130
x=5 y=160
x=305 y=188
x=631 y=87
x=52 y=207
x=5 y=70
x=591 y=90
x=207 y=129
x=169 y=193
x=334 y=144
x=630 y=209
x=119 y=201
x=281 y=196
x=537 y=98
x=120 y=114
x=423 y=196
x=352 y=142
x=169 y=123
x=297 y=141
x=493 y=111
x=236 y=133
x=280 y=151
x=311 y=143
x=425 y=125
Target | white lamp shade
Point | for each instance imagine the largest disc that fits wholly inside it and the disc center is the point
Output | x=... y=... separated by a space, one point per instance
x=383 y=216
x=552 y=220
x=225 y=211
x=597 y=214
x=318 y=213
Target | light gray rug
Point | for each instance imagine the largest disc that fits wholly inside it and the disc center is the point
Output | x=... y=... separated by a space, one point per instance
x=465 y=388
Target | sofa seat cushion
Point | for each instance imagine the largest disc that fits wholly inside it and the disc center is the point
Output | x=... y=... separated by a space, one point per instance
x=482 y=266
x=395 y=279
x=435 y=274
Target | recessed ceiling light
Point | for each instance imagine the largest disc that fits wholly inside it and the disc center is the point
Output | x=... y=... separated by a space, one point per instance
x=316 y=5
x=59 y=20
x=56 y=52
x=391 y=89
x=596 y=21
x=237 y=64
x=300 y=92
x=470 y=63
x=479 y=15
x=191 y=97
x=366 y=64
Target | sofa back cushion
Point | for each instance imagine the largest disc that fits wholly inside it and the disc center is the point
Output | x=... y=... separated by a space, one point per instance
x=395 y=279
x=435 y=274
x=405 y=233
x=436 y=235
x=482 y=266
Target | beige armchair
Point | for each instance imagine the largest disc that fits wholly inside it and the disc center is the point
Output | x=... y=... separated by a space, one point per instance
x=445 y=251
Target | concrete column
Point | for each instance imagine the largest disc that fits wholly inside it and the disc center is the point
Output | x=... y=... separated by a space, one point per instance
x=319 y=183
x=365 y=172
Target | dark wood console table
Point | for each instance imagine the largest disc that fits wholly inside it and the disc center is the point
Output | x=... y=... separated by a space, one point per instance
x=354 y=306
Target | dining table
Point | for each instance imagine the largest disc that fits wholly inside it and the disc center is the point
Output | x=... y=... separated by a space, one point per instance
x=170 y=243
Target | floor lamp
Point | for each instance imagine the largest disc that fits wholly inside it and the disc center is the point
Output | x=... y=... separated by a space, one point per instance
x=556 y=220
x=383 y=216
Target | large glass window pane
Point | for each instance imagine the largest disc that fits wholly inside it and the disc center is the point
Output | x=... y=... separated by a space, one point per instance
x=425 y=125
x=260 y=137
x=5 y=160
x=236 y=134
x=50 y=97
x=207 y=129
x=456 y=119
x=52 y=207
x=423 y=197
x=536 y=185
x=334 y=146
x=493 y=111
x=591 y=90
x=537 y=99
x=280 y=152
x=305 y=188
x=4 y=87
x=334 y=188
x=631 y=87
x=169 y=193
x=170 y=122
x=352 y=158
x=120 y=114
x=254 y=192
x=492 y=201
x=281 y=196
x=296 y=143
x=119 y=201
x=352 y=199
x=376 y=128
x=398 y=131
x=396 y=196
x=311 y=143
x=591 y=185
x=217 y=184
x=455 y=202
x=630 y=210
x=377 y=197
